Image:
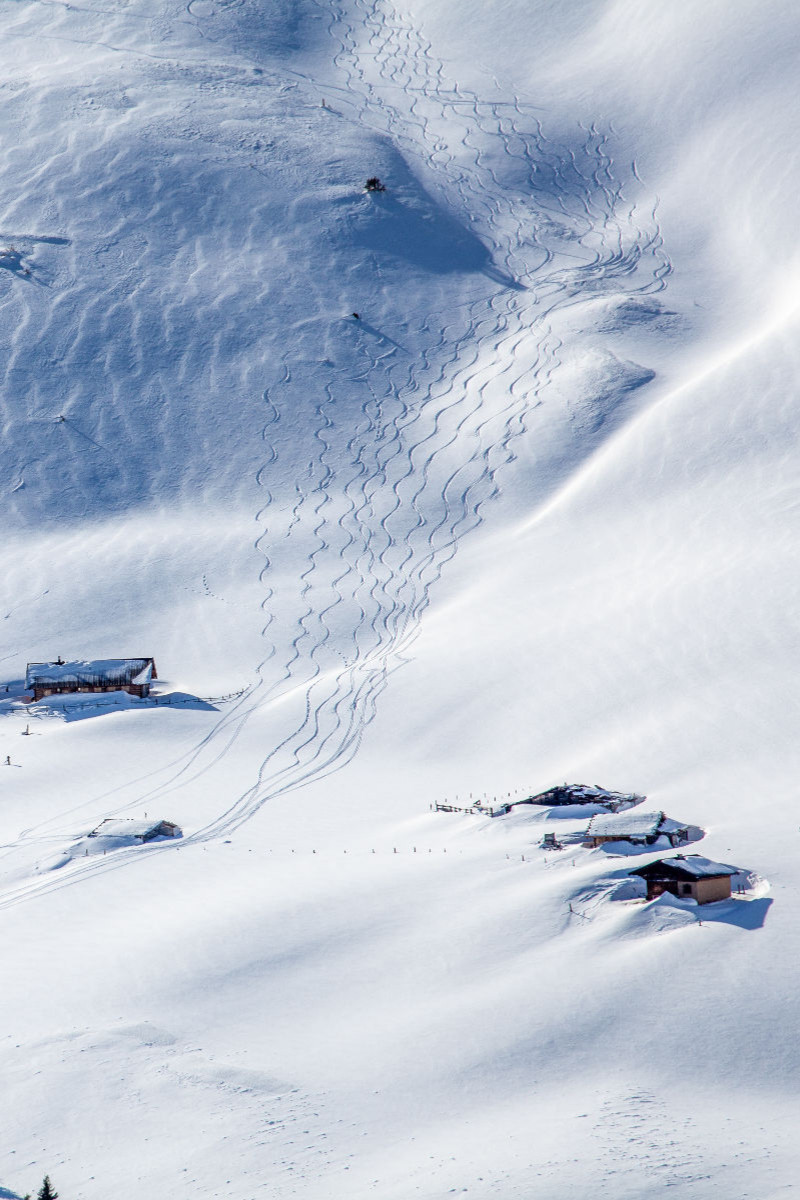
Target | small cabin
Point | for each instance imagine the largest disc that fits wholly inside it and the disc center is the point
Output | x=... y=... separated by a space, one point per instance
x=581 y=793
x=689 y=877
x=132 y=675
x=637 y=828
x=139 y=831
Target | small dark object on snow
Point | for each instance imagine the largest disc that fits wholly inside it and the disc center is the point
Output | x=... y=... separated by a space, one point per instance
x=374 y=184
x=357 y=317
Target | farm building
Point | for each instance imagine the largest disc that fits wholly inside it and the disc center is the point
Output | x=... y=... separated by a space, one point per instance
x=581 y=793
x=690 y=876
x=139 y=831
x=60 y=678
x=638 y=828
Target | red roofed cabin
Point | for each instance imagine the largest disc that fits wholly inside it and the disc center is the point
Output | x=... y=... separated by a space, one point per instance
x=132 y=675
x=690 y=877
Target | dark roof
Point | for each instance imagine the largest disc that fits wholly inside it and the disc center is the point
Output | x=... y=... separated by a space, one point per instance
x=689 y=866
x=583 y=793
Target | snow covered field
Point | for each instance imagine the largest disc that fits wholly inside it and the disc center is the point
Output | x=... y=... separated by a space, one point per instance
x=530 y=516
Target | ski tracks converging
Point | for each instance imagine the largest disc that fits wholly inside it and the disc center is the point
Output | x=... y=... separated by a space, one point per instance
x=417 y=474
x=382 y=504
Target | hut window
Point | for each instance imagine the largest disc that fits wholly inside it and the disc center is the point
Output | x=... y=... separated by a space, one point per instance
x=686 y=889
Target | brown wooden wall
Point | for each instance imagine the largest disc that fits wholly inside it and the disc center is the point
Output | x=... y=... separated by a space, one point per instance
x=713 y=889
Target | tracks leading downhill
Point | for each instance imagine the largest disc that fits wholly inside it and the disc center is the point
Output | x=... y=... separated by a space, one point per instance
x=384 y=501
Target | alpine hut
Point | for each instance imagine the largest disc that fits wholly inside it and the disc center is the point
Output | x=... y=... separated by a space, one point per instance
x=638 y=828
x=136 y=831
x=581 y=793
x=60 y=678
x=689 y=876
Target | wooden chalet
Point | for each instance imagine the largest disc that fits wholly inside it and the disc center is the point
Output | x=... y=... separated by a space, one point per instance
x=688 y=876
x=132 y=675
x=637 y=828
x=138 y=831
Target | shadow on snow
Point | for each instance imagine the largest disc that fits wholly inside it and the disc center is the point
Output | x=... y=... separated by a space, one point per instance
x=81 y=706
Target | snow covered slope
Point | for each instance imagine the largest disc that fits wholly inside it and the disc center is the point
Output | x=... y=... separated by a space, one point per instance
x=452 y=491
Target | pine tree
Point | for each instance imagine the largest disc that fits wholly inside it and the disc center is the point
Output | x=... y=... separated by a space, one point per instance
x=46 y=1191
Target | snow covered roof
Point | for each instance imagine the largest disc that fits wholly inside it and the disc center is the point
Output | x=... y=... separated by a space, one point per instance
x=689 y=866
x=123 y=827
x=626 y=824
x=90 y=671
x=632 y=825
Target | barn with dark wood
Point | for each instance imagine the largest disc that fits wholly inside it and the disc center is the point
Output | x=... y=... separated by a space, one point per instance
x=132 y=675
x=638 y=828
x=689 y=876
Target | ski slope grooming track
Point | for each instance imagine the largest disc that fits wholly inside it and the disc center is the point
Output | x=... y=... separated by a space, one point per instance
x=405 y=447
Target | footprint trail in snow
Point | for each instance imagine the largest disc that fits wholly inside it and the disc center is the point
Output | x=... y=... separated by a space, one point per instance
x=371 y=479
x=382 y=507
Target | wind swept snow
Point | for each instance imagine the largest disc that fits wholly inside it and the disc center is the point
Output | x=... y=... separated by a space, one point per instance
x=480 y=482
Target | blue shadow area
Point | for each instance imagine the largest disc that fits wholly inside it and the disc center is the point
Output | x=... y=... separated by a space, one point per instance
x=83 y=706
x=11 y=687
x=746 y=914
x=414 y=228
x=31 y=239
x=662 y=845
x=406 y=222
x=743 y=911
x=563 y=812
x=74 y=709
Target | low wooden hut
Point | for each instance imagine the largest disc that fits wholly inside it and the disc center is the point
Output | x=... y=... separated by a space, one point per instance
x=638 y=828
x=139 y=831
x=689 y=876
x=59 y=678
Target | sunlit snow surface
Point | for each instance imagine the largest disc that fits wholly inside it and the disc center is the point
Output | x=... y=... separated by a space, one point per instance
x=530 y=516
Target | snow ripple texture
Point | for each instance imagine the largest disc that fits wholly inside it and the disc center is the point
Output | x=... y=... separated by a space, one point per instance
x=370 y=480
x=383 y=516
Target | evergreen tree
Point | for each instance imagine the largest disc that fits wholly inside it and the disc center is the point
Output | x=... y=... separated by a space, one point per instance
x=46 y=1191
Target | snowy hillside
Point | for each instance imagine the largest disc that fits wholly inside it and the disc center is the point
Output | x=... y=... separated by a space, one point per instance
x=447 y=493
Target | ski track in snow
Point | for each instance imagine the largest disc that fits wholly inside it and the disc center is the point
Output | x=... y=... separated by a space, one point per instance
x=383 y=506
x=400 y=90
